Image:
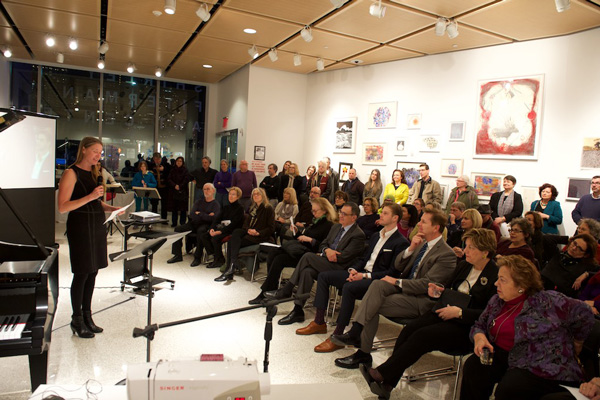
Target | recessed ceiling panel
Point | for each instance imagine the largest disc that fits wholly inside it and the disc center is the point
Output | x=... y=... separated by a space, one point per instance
x=219 y=67
x=37 y=43
x=8 y=37
x=194 y=74
x=145 y=36
x=328 y=45
x=446 y=9
x=221 y=49
x=285 y=62
x=382 y=54
x=300 y=11
x=355 y=20
x=339 y=65
x=89 y=7
x=141 y=55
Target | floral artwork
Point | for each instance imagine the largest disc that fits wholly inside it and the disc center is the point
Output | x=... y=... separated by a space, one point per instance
x=344 y=170
x=413 y=121
x=382 y=115
x=374 y=153
x=486 y=184
x=429 y=143
x=509 y=115
x=345 y=135
x=452 y=167
x=410 y=170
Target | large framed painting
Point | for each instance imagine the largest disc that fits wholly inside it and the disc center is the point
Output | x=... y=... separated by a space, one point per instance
x=577 y=188
x=486 y=184
x=509 y=118
x=345 y=135
x=382 y=115
x=373 y=153
x=411 y=171
x=452 y=167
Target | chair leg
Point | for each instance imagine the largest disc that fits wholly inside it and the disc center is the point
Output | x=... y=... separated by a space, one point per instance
x=254 y=266
x=458 y=379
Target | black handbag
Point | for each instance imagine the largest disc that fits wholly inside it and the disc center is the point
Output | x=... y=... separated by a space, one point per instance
x=451 y=297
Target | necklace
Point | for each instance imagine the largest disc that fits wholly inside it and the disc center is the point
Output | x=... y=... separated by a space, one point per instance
x=510 y=312
x=542 y=204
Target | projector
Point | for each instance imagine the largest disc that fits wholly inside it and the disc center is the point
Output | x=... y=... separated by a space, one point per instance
x=213 y=376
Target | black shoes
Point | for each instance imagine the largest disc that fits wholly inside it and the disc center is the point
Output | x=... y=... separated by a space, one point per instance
x=275 y=295
x=174 y=259
x=196 y=262
x=381 y=389
x=294 y=316
x=354 y=360
x=89 y=322
x=79 y=327
x=346 y=339
x=216 y=264
x=227 y=275
x=258 y=299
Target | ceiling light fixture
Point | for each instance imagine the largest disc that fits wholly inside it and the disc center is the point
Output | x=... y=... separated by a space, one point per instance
x=60 y=58
x=50 y=41
x=377 y=10
x=208 y=66
x=250 y=31
x=320 y=64
x=131 y=68
x=306 y=34
x=337 y=3
x=253 y=51
x=562 y=5
x=101 y=63
x=7 y=52
x=452 y=29
x=203 y=12
x=170 y=6
x=297 y=60
x=73 y=45
x=158 y=72
x=273 y=55
x=103 y=47
x=440 y=26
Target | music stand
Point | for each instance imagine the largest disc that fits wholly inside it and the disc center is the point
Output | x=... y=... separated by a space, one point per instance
x=147 y=250
x=142 y=192
x=114 y=188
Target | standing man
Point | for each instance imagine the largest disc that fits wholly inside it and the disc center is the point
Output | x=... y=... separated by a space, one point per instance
x=324 y=181
x=427 y=259
x=335 y=181
x=245 y=180
x=425 y=188
x=202 y=175
x=588 y=205
x=271 y=185
x=161 y=172
x=353 y=187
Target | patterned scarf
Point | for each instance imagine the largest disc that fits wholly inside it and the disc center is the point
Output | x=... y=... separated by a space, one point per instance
x=506 y=203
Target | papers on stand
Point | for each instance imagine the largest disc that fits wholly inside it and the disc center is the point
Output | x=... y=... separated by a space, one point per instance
x=114 y=214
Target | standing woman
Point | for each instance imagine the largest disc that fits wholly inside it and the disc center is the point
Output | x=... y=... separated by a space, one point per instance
x=178 y=182
x=548 y=208
x=79 y=194
x=290 y=180
x=506 y=204
x=222 y=183
x=374 y=187
x=397 y=187
x=464 y=193
x=307 y=179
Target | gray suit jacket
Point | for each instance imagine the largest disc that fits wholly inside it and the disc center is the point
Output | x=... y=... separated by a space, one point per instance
x=351 y=246
x=437 y=266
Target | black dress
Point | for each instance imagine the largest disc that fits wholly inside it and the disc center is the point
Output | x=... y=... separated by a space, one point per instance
x=85 y=230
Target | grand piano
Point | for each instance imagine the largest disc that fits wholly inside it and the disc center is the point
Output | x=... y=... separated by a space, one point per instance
x=28 y=298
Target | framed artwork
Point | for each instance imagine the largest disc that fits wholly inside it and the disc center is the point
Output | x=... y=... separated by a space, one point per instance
x=429 y=144
x=486 y=184
x=445 y=192
x=411 y=171
x=577 y=188
x=373 y=153
x=382 y=115
x=260 y=152
x=452 y=167
x=509 y=117
x=457 y=131
x=590 y=153
x=343 y=171
x=345 y=135
x=529 y=195
x=401 y=144
x=413 y=121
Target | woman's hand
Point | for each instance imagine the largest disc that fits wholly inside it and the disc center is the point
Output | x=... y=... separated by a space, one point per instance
x=541 y=214
x=448 y=312
x=176 y=187
x=590 y=390
x=499 y=220
x=253 y=232
x=282 y=220
x=481 y=342
x=97 y=193
x=458 y=251
x=579 y=281
x=304 y=238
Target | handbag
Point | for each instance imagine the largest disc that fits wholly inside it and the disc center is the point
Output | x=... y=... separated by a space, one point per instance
x=451 y=297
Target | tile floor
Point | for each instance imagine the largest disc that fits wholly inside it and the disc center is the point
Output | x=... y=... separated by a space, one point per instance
x=105 y=358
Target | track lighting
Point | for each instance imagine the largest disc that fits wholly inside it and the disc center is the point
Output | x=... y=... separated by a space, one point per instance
x=60 y=58
x=170 y=6
x=73 y=45
x=131 y=68
x=7 y=52
x=101 y=63
x=440 y=26
x=158 y=72
x=203 y=12
x=562 y=5
x=50 y=41
x=320 y=64
x=452 y=29
x=337 y=3
x=297 y=60
x=377 y=10
x=103 y=47
x=306 y=34
x=273 y=55
x=253 y=51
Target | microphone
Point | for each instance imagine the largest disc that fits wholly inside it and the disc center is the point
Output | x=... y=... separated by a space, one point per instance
x=99 y=183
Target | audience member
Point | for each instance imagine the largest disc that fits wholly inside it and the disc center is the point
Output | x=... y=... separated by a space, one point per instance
x=286 y=210
x=455 y=216
x=290 y=180
x=374 y=187
x=353 y=187
x=471 y=219
x=270 y=184
x=178 y=182
x=284 y=169
x=305 y=215
x=425 y=188
x=307 y=179
x=323 y=181
x=409 y=220
x=204 y=174
x=518 y=243
x=143 y=178
x=506 y=204
x=537 y=237
x=397 y=187
x=368 y=222
x=591 y=227
x=588 y=205
x=464 y=193
x=128 y=171
x=222 y=183
x=340 y=199
x=487 y=222
x=548 y=208
x=161 y=173
x=335 y=178
x=420 y=206
x=245 y=180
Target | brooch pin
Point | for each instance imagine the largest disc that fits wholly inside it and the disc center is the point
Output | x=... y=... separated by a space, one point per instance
x=484 y=280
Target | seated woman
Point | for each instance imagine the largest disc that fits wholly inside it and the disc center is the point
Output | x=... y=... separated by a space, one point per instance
x=374 y=187
x=447 y=328
x=420 y=206
x=409 y=220
x=532 y=335
x=506 y=205
x=397 y=187
x=548 y=208
x=591 y=227
x=341 y=198
x=143 y=178
x=518 y=244
x=258 y=227
x=368 y=222
x=286 y=209
x=471 y=219
x=537 y=238
x=567 y=271
x=306 y=240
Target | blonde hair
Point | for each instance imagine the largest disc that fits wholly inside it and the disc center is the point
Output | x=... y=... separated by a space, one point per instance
x=265 y=199
x=85 y=143
x=237 y=190
x=474 y=216
x=296 y=173
x=326 y=206
x=292 y=193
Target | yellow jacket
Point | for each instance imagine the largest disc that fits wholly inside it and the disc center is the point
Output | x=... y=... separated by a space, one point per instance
x=400 y=194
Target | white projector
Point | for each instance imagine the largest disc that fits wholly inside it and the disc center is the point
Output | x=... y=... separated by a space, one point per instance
x=213 y=376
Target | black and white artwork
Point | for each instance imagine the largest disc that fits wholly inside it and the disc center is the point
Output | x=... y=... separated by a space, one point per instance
x=345 y=135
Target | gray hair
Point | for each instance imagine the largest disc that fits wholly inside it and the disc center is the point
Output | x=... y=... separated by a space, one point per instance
x=593 y=225
x=465 y=178
x=207 y=158
x=211 y=186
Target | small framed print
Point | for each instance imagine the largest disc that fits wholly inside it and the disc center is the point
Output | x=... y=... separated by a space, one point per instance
x=373 y=153
x=457 y=131
x=577 y=188
x=344 y=170
x=410 y=170
x=486 y=184
x=452 y=167
x=429 y=144
x=401 y=146
x=259 y=153
x=382 y=115
x=345 y=135
x=413 y=121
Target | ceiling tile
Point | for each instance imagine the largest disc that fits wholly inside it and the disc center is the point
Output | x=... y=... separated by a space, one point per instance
x=8 y=37
x=383 y=54
x=446 y=9
x=328 y=45
x=339 y=65
x=37 y=43
x=285 y=62
x=221 y=49
x=145 y=36
x=303 y=12
x=219 y=67
x=89 y=7
x=194 y=74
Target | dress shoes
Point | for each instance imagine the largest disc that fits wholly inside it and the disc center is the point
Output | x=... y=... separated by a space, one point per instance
x=294 y=316
x=346 y=339
x=215 y=264
x=327 y=347
x=354 y=360
x=312 y=328
x=196 y=262
x=275 y=295
x=224 y=277
x=379 y=388
x=258 y=299
x=174 y=259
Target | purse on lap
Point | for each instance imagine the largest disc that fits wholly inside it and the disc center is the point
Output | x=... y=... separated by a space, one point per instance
x=451 y=297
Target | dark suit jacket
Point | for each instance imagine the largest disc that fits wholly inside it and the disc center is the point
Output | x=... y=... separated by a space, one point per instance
x=437 y=266
x=355 y=194
x=384 y=263
x=350 y=246
x=516 y=212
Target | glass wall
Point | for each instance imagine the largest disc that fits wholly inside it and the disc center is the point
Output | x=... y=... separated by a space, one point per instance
x=24 y=86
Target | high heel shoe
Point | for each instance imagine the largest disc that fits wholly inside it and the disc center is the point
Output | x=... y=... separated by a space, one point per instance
x=89 y=322
x=79 y=327
x=227 y=275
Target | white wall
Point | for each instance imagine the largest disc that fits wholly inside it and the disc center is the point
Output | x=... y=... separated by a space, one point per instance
x=5 y=79
x=443 y=88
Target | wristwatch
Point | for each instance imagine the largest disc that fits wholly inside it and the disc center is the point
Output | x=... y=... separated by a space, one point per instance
x=459 y=313
x=399 y=283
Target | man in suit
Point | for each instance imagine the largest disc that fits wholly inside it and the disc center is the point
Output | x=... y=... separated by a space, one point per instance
x=338 y=251
x=425 y=188
x=427 y=259
x=376 y=262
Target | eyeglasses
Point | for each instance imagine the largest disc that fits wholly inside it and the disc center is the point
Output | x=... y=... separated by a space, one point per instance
x=343 y=214
x=315 y=211
x=514 y=231
x=578 y=247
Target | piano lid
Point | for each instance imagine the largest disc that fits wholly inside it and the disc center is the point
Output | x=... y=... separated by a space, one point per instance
x=20 y=252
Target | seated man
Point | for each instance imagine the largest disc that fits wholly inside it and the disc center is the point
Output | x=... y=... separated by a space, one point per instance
x=427 y=259
x=488 y=221
x=376 y=262
x=338 y=251
x=455 y=217
x=202 y=215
